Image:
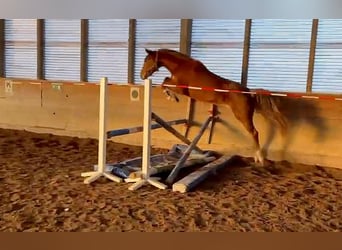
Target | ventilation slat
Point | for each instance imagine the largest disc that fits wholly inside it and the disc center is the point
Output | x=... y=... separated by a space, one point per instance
x=62 y=49
x=219 y=45
x=108 y=50
x=21 y=48
x=279 y=54
x=155 y=34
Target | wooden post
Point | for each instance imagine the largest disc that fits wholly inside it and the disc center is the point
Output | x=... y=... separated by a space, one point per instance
x=214 y=112
x=40 y=48
x=246 y=47
x=185 y=47
x=2 y=47
x=311 y=65
x=190 y=115
x=84 y=50
x=185 y=36
x=131 y=50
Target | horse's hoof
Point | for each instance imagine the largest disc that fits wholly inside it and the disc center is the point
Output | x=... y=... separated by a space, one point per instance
x=259 y=159
x=259 y=163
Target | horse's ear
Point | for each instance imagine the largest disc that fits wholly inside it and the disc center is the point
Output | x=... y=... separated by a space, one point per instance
x=148 y=51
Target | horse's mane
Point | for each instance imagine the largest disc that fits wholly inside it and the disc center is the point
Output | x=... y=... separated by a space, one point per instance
x=185 y=57
x=177 y=54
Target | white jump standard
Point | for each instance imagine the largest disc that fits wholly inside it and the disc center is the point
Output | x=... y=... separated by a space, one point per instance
x=94 y=175
x=145 y=178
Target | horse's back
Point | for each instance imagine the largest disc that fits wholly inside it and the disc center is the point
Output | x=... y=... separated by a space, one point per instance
x=194 y=73
x=202 y=76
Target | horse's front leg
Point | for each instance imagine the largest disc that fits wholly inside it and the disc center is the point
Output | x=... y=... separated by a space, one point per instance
x=167 y=91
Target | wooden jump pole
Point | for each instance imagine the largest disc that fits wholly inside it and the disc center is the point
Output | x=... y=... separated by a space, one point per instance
x=192 y=180
x=145 y=178
x=170 y=179
x=94 y=175
x=125 y=131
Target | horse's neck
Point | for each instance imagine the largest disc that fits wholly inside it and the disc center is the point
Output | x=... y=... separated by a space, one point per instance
x=170 y=62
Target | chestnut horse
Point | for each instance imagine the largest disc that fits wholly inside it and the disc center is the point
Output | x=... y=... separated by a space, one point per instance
x=187 y=71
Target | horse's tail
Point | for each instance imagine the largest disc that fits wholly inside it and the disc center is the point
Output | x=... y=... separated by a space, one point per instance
x=266 y=105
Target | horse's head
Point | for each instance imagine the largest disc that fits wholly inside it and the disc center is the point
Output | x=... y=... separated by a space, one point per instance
x=150 y=64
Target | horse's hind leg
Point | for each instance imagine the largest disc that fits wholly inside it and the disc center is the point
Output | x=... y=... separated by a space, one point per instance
x=258 y=156
x=244 y=113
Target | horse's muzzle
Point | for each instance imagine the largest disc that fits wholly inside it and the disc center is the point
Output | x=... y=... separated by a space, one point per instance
x=143 y=76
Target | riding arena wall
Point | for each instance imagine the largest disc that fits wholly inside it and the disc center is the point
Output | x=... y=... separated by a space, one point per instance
x=314 y=135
